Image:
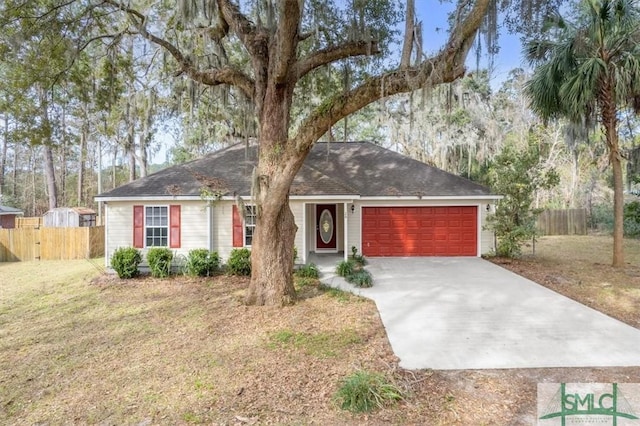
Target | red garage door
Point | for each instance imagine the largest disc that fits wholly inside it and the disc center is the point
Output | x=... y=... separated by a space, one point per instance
x=420 y=231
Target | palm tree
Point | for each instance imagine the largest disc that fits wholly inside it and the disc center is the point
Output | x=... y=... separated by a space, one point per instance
x=590 y=69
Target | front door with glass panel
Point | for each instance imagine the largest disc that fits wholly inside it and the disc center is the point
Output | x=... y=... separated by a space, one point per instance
x=326 y=227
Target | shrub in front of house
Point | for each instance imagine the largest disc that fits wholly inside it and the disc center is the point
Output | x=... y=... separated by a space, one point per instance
x=308 y=271
x=125 y=261
x=361 y=278
x=159 y=260
x=345 y=268
x=239 y=262
x=202 y=263
x=357 y=258
x=353 y=271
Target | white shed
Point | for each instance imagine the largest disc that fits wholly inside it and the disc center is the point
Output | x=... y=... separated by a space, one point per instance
x=69 y=217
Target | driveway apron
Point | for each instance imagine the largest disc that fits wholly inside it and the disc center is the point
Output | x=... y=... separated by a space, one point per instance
x=467 y=313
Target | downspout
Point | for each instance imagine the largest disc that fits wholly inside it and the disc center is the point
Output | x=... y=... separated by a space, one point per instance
x=106 y=235
x=303 y=250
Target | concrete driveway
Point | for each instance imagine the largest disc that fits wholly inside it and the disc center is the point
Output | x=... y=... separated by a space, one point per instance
x=467 y=313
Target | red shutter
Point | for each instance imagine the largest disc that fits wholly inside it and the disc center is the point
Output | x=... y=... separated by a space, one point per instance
x=238 y=228
x=138 y=226
x=174 y=226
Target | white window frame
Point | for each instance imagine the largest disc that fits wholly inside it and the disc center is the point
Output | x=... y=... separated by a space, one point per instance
x=250 y=219
x=147 y=226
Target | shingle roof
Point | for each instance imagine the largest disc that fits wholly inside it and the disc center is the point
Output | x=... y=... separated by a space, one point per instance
x=9 y=210
x=336 y=168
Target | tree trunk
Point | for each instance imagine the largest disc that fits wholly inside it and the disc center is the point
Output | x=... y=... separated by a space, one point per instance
x=62 y=177
x=81 y=159
x=50 y=174
x=99 y=161
x=610 y=122
x=272 y=252
x=49 y=167
x=273 y=240
x=131 y=142
x=3 y=159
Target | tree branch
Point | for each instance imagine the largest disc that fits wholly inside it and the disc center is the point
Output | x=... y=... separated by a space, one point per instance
x=409 y=35
x=211 y=77
x=446 y=66
x=332 y=54
x=242 y=27
x=286 y=39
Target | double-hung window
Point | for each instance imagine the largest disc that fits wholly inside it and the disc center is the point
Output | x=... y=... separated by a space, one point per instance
x=250 y=216
x=156 y=226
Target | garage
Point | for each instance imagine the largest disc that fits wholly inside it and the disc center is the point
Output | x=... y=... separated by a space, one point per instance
x=420 y=231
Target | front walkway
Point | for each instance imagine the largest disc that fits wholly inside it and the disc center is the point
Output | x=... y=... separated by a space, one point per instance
x=467 y=313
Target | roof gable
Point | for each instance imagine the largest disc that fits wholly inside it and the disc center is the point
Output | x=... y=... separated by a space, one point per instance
x=336 y=168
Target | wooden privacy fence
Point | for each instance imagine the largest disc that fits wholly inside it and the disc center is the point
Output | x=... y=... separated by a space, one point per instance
x=563 y=222
x=28 y=222
x=51 y=243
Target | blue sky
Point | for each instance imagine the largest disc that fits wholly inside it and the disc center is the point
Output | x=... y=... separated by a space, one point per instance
x=433 y=14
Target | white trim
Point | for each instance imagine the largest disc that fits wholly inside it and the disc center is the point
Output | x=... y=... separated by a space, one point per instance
x=168 y=198
x=105 y=218
x=479 y=230
x=345 y=230
x=209 y=225
x=431 y=198
x=325 y=199
x=303 y=249
x=318 y=199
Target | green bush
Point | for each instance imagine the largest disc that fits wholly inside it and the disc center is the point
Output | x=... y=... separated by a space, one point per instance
x=308 y=271
x=239 y=262
x=159 y=259
x=602 y=220
x=345 y=268
x=601 y=217
x=202 y=263
x=364 y=391
x=357 y=258
x=353 y=271
x=361 y=278
x=125 y=261
x=632 y=219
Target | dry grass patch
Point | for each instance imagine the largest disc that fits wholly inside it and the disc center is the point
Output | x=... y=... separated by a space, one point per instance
x=88 y=348
x=172 y=351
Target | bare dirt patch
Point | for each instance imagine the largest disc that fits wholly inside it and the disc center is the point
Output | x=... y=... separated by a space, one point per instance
x=88 y=348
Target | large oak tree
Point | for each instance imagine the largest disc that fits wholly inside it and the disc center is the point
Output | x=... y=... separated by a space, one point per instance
x=265 y=52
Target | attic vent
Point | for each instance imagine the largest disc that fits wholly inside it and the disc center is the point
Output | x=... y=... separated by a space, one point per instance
x=173 y=189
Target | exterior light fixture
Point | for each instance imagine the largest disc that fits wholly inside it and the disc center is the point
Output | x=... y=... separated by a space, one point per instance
x=488 y=207
x=353 y=208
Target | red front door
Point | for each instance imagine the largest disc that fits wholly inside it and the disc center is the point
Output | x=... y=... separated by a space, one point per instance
x=326 y=227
